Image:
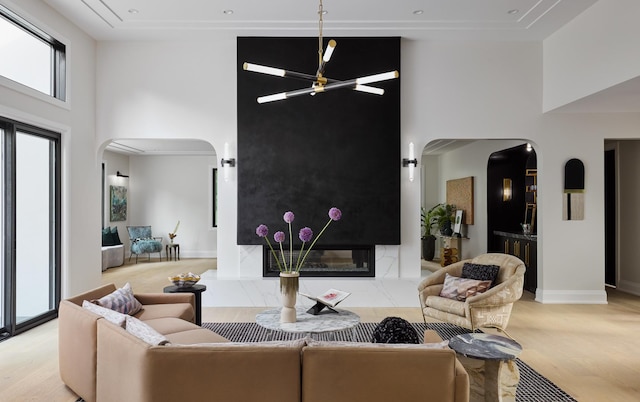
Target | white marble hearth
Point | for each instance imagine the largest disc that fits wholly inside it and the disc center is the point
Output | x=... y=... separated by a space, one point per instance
x=265 y=292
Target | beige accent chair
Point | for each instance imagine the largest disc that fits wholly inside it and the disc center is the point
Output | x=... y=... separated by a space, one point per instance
x=490 y=309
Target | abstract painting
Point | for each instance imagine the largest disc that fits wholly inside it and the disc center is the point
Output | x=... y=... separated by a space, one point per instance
x=118 y=203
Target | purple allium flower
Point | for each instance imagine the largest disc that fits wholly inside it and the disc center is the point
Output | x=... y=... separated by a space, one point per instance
x=335 y=214
x=305 y=234
x=262 y=230
x=278 y=237
x=288 y=217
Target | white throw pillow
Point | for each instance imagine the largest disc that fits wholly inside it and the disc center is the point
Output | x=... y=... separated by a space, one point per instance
x=145 y=332
x=110 y=315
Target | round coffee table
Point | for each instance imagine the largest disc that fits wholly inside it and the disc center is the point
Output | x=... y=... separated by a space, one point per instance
x=490 y=363
x=309 y=324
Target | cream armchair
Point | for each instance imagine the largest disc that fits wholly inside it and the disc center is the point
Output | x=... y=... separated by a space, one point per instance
x=490 y=309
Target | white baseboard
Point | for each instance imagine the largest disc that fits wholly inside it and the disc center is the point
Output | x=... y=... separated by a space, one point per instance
x=571 y=296
x=629 y=287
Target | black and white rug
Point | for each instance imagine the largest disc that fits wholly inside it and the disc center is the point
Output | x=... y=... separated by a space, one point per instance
x=533 y=387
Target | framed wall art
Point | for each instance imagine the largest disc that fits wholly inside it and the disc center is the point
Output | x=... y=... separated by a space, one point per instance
x=118 y=197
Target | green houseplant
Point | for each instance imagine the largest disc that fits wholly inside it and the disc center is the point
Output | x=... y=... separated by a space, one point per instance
x=443 y=215
x=428 y=239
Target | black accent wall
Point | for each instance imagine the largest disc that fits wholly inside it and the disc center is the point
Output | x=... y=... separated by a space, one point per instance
x=506 y=216
x=310 y=153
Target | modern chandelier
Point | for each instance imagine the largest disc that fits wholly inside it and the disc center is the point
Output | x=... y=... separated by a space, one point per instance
x=319 y=83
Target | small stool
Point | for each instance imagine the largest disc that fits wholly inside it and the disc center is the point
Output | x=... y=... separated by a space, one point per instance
x=169 y=250
x=196 y=290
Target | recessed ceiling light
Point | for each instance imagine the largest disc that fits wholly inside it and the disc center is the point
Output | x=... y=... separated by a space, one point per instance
x=514 y=11
x=228 y=12
x=418 y=12
x=133 y=11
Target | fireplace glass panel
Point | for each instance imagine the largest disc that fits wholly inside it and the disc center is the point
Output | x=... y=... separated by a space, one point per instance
x=324 y=261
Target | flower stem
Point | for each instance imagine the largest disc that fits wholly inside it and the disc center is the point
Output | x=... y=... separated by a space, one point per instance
x=275 y=256
x=314 y=242
x=284 y=260
x=290 y=249
x=299 y=255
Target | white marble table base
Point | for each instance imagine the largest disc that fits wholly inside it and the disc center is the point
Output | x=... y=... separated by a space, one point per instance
x=309 y=324
x=491 y=380
x=490 y=362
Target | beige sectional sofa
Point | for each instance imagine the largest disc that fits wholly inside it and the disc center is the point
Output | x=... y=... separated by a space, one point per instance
x=171 y=314
x=196 y=366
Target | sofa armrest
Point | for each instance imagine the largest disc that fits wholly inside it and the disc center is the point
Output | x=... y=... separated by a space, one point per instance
x=166 y=298
x=77 y=349
x=462 y=383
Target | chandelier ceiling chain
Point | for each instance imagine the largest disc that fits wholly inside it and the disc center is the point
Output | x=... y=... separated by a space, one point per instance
x=319 y=83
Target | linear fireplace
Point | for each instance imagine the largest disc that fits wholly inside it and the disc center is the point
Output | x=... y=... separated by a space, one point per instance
x=345 y=261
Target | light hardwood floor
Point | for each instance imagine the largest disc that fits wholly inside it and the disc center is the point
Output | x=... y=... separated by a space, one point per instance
x=590 y=351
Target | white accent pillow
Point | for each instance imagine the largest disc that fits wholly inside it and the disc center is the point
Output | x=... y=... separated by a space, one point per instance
x=110 y=315
x=145 y=332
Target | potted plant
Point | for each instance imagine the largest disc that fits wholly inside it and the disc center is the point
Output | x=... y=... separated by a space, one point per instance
x=443 y=217
x=428 y=239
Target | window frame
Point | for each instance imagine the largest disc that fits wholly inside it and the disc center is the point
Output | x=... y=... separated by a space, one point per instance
x=8 y=325
x=58 y=54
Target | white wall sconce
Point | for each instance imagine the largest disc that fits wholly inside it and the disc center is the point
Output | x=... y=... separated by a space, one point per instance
x=507 y=190
x=411 y=162
x=226 y=162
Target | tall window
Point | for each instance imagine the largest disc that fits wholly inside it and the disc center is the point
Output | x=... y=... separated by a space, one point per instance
x=30 y=56
x=30 y=216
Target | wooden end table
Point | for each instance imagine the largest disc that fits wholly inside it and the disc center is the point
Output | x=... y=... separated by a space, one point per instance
x=196 y=290
x=169 y=248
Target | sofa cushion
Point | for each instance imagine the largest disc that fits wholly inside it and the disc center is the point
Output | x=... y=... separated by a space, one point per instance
x=364 y=345
x=144 y=331
x=112 y=316
x=195 y=336
x=107 y=237
x=115 y=236
x=183 y=311
x=461 y=288
x=447 y=305
x=121 y=300
x=296 y=343
x=481 y=272
x=170 y=325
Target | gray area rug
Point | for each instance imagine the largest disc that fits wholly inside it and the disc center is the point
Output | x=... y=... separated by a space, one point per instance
x=533 y=386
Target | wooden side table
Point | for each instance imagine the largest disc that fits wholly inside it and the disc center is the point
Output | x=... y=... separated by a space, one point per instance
x=169 y=248
x=196 y=290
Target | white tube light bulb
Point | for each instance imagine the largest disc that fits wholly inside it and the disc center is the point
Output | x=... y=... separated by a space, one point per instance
x=377 y=77
x=368 y=89
x=411 y=158
x=272 y=98
x=330 y=47
x=226 y=165
x=256 y=68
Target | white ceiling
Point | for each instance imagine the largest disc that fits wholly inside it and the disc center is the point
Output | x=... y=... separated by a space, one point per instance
x=509 y=20
x=457 y=19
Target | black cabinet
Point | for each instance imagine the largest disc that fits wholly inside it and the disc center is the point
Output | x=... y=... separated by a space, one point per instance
x=525 y=248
